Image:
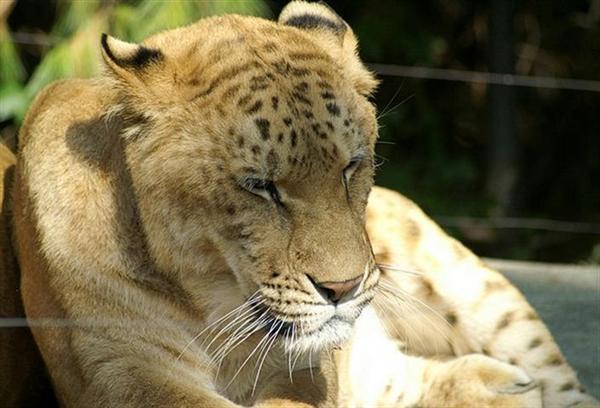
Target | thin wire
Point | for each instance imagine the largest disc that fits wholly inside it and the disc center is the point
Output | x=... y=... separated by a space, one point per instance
x=486 y=77
x=519 y=223
x=406 y=71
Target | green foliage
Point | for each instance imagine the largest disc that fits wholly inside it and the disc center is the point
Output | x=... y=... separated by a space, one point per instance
x=76 y=36
x=12 y=75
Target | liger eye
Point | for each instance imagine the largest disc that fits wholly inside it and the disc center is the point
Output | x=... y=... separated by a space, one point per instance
x=263 y=188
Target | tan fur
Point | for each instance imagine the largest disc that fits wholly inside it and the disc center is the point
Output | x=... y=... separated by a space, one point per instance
x=136 y=235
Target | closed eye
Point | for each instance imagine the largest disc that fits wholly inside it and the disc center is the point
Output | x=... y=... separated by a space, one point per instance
x=263 y=188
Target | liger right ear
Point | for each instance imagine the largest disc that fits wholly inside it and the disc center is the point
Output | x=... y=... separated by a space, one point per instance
x=128 y=60
x=334 y=34
x=317 y=17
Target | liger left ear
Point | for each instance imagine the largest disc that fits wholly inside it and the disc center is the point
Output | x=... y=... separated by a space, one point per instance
x=128 y=60
x=334 y=34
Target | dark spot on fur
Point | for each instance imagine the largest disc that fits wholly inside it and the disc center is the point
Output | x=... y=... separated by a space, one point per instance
x=302 y=87
x=308 y=114
x=451 y=318
x=255 y=149
x=259 y=82
x=280 y=137
x=567 y=386
x=263 y=127
x=346 y=122
x=388 y=388
x=230 y=92
x=299 y=72
x=275 y=275
x=259 y=86
x=244 y=100
x=512 y=361
x=301 y=98
x=330 y=126
x=274 y=102
x=333 y=108
x=255 y=108
x=240 y=141
x=554 y=360
x=531 y=315
x=324 y=85
x=428 y=286
x=316 y=128
x=505 y=321
x=228 y=73
x=327 y=95
x=287 y=121
x=282 y=67
x=534 y=343
x=230 y=209
x=293 y=138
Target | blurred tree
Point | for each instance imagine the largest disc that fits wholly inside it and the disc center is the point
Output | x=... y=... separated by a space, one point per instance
x=435 y=138
x=75 y=35
x=502 y=147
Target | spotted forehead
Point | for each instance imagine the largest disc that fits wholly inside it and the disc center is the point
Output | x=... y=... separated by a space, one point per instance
x=286 y=103
x=296 y=128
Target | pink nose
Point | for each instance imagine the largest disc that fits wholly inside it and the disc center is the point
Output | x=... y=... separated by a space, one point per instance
x=334 y=291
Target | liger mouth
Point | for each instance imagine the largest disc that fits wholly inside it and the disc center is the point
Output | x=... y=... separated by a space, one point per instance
x=282 y=326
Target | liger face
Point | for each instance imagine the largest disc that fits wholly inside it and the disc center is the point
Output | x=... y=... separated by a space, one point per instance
x=274 y=173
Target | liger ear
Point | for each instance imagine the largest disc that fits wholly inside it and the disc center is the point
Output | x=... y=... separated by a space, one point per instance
x=127 y=59
x=316 y=17
x=334 y=34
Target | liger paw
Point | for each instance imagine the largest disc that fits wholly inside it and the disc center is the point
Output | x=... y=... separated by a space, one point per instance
x=481 y=381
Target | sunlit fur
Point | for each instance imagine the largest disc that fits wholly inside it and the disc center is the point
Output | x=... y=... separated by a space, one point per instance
x=169 y=281
x=136 y=204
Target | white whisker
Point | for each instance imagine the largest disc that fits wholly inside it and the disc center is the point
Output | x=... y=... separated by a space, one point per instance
x=249 y=357
x=213 y=325
x=268 y=347
x=397 y=268
x=241 y=337
x=404 y=299
x=228 y=326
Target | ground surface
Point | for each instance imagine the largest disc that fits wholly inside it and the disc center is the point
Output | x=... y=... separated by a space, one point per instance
x=567 y=297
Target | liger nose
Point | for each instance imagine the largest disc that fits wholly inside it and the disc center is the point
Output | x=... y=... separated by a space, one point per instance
x=334 y=291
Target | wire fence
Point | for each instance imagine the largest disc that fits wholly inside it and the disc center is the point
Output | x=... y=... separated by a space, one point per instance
x=453 y=75
x=442 y=74
x=405 y=71
x=519 y=223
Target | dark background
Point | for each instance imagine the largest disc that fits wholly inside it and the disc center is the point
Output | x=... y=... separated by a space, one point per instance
x=512 y=171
